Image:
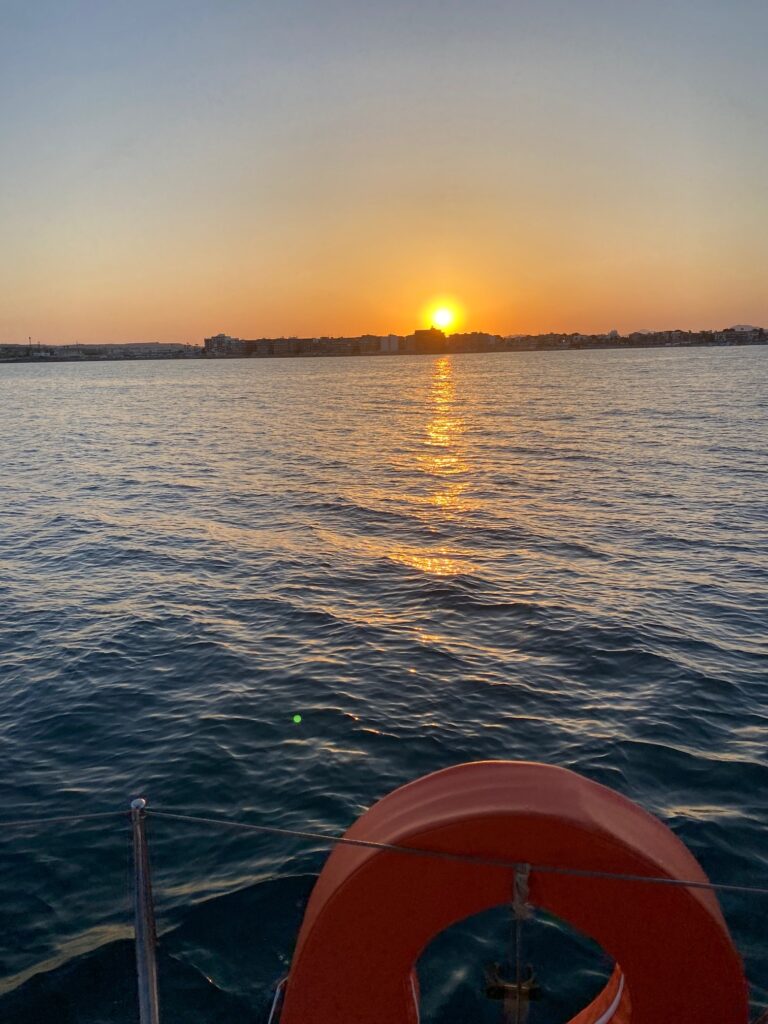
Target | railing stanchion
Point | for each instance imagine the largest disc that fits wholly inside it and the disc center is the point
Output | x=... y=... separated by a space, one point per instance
x=144 y=919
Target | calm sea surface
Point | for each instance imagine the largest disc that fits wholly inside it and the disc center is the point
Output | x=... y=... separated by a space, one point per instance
x=552 y=556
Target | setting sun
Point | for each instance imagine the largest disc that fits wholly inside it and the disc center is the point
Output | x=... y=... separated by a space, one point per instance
x=443 y=312
x=443 y=317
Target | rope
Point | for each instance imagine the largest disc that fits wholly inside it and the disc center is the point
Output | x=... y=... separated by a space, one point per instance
x=462 y=858
x=521 y=911
x=521 y=908
x=25 y=823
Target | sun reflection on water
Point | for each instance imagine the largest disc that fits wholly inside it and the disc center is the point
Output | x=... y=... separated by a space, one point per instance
x=445 y=454
x=443 y=462
x=432 y=495
x=437 y=563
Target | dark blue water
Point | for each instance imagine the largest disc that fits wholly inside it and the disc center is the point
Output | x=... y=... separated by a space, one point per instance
x=555 y=556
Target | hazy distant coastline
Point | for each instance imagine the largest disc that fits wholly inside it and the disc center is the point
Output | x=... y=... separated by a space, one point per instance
x=423 y=342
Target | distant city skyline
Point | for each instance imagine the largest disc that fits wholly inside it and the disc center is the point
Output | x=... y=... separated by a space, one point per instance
x=425 y=341
x=332 y=167
x=198 y=340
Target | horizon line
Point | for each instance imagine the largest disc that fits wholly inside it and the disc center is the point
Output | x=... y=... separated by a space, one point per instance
x=613 y=333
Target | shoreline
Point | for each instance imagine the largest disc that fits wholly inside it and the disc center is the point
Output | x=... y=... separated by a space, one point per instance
x=509 y=346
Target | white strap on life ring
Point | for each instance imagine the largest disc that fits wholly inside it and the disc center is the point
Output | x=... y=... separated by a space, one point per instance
x=604 y=1018
x=416 y=997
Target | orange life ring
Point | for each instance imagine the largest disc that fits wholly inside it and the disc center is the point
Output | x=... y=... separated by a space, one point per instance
x=372 y=912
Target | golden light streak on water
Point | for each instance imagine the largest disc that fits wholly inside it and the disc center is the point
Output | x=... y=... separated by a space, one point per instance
x=443 y=461
x=445 y=431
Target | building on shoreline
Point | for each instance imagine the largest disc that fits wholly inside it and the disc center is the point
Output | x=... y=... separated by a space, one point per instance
x=95 y=352
x=224 y=346
x=421 y=342
x=431 y=340
x=434 y=341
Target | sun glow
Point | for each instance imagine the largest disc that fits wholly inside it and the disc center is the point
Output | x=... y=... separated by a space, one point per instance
x=443 y=313
x=443 y=317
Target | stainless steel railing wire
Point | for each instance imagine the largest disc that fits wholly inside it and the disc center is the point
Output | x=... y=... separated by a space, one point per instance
x=145 y=931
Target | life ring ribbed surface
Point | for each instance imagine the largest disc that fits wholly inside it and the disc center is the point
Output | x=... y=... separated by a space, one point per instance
x=372 y=912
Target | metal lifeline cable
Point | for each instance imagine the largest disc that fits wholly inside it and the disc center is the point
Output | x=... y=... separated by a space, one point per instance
x=464 y=858
x=521 y=870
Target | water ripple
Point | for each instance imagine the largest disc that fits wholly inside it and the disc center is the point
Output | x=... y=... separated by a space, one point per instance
x=561 y=557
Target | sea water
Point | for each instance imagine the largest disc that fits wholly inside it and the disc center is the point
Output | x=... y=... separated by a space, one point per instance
x=559 y=556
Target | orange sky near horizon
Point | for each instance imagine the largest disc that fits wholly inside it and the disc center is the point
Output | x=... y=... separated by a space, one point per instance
x=331 y=169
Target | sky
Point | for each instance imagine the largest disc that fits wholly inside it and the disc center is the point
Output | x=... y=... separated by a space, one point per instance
x=176 y=168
